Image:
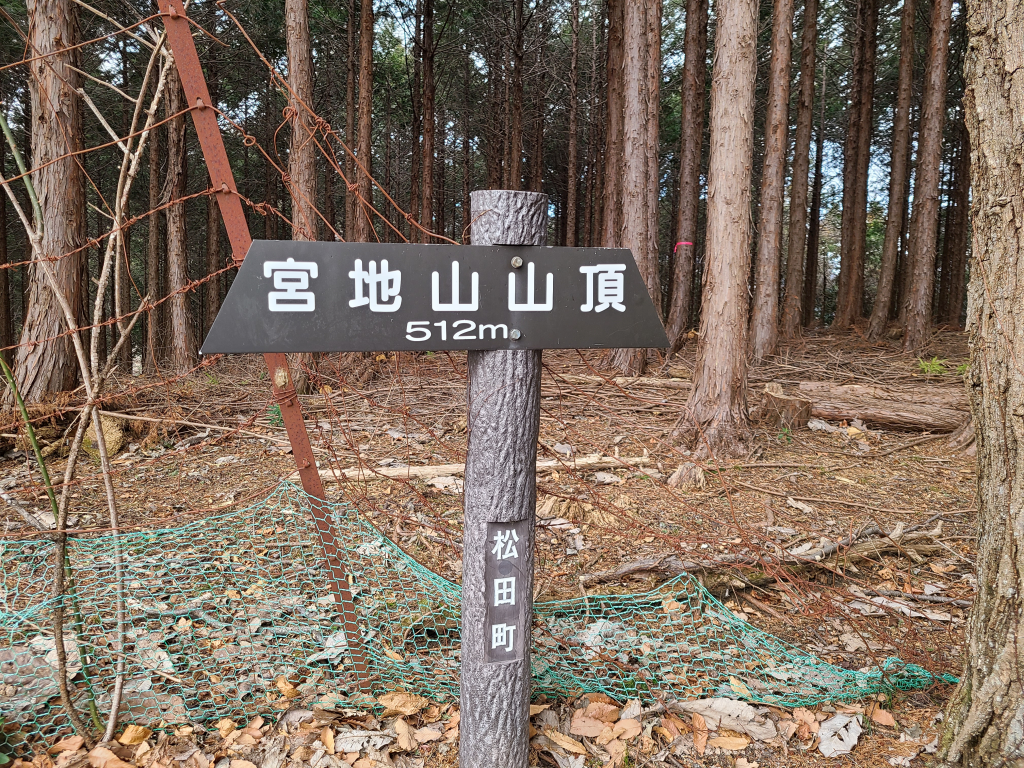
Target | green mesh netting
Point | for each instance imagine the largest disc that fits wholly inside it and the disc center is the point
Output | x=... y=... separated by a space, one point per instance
x=218 y=610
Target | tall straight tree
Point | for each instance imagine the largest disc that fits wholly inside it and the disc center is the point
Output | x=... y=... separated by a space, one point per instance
x=515 y=136
x=612 y=198
x=181 y=344
x=899 y=169
x=302 y=149
x=764 y=321
x=856 y=157
x=572 y=172
x=415 y=164
x=363 y=225
x=814 y=226
x=641 y=37
x=954 y=246
x=43 y=369
x=789 y=326
x=695 y=67
x=6 y=318
x=718 y=401
x=350 y=116
x=152 y=356
x=924 y=221
x=429 y=123
x=985 y=717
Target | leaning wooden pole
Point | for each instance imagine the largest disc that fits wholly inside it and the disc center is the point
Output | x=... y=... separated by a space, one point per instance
x=500 y=504
x=204 y=115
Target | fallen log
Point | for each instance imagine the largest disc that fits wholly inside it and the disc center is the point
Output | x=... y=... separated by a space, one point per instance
x=937 y=409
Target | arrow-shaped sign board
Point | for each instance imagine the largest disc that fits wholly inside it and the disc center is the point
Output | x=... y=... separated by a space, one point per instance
x=291 y=296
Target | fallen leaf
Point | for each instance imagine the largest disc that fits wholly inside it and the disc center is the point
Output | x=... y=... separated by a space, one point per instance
x=225 y=726
x=363 y=762
x=742 y=762
x=628 y=728
x=400 y=703
x=599 y=710
x=536 y=709
x=937 y=568
x=606 y=735
x=564 y=741
x=881 y=716
x=730 y=742
x=67 y=744
x=245 y=739
x=700 y=733
x=406 y=741
x=806 y=717
x=426 y=735
x=739 y=688
x=350 y=757
x=101 y=757
x=631 y=710
x=327 y=739
x=582 y=725
x=287 y=690
x=617 y=750
x=786 y=729
x=838 y=735
x=453 y=722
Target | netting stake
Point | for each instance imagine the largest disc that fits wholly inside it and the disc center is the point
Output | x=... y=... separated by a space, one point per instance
x=186 y=58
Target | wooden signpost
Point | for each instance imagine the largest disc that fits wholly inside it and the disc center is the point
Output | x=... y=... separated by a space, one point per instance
x=504 y=298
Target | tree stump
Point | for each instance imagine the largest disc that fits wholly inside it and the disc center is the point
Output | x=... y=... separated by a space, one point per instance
x=784 y=411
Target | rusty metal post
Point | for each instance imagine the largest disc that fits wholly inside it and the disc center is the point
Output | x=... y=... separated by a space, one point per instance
x=197 y=96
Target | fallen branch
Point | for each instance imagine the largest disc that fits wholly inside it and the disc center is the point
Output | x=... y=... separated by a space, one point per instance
x=815 y=500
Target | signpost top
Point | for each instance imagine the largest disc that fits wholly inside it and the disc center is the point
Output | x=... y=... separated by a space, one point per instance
x=293 y=296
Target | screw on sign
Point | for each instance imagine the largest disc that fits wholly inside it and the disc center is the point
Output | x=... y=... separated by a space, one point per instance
x=504 y=298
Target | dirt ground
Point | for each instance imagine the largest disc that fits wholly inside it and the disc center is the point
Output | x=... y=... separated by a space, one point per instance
x=213 y=441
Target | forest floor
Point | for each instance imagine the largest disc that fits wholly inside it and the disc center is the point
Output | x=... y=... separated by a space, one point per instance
x=212 y=442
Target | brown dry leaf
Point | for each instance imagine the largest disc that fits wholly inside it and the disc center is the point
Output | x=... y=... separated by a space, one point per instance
x=101 y=757
x=67 y=744
x=739 y=687
x=601 y=698
x=786 y=729
x=363 y=762
x=245 y=739
x=225 y=726
x=585 y=726
x=134 y=734
x=287 y=690
x=663 y=732
x=605 y=736
x=350 y=757
x=599 y=710
x=742 y=762
x=808 y=718
x=536 y=709
x=392 y=654
x=565 y=742
x=400 y=703
x=406 y=741
x=675 y=724
x=730 y=742
x=327 y=739
x=256 y=722
x=628 y=728
x=426 y=735
x=936 y=568
x=881 y=716
x=700 y=734
x=617 y=750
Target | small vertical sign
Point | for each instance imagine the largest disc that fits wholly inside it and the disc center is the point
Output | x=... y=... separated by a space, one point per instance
x=504 y=576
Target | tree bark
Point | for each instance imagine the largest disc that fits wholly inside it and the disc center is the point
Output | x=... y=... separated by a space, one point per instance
x=153 y=354
x=717 y=408
x=47 y=367
x=429 y=124
x=416 y=163
x=985 y=717
x=350 y=119
x=924 y=219
x=814 y=227
x=363 y=228
x=302 y=150
x=213 y=262
x=792 y=303
x=850 y=298
x=572 y=172
x=504 y=419
x=897 y=177
x=641 y=39
x=612 y=197
x=182 y=338
x=956 y=236
x=764 y=321
x=515 y=165
x=695 y=67
x=6 y=318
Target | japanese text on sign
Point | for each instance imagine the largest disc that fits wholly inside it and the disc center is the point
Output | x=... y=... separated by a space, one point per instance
x=506 y=614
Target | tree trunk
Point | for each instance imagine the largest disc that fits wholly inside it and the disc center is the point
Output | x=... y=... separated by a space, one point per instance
x=537 y=158
x=718 y=403
x=791 y=306
x=6 y=319
x=695 y=67
x=416 y=164
x=814 y=227
x=182 y=340
x=49 y=367
x=897 y=177
x=350 y=118
x=924 y=220
x=612 y=197
x=429 y=124
x=515 y=166
x=213 y=262
x=985 y=717
x=764 y=321
x=302 y=150
x=641 y=39
x=153 y=353
x=850 y=299
x=572 y=173
x=363 y=228
x=957 y=237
